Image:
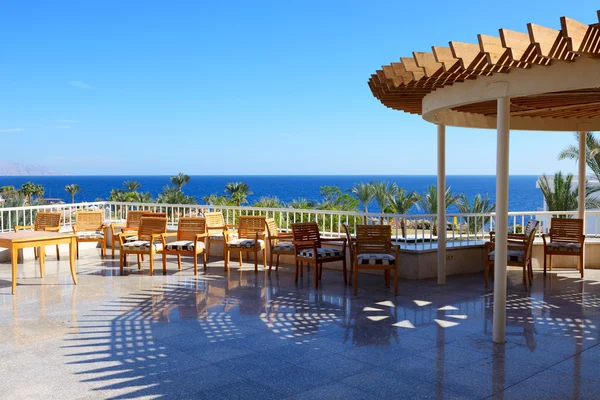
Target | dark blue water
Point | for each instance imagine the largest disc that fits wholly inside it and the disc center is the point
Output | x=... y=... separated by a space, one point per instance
x=523 y=195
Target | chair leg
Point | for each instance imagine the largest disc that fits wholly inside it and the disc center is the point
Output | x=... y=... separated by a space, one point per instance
x=151 y=257
x=164 y=262
x=104 y=249
x=140 y=257
x=35 y=253
x=58 y=253
x=207 y=247
x=277 y=263
x=530 y=271
x=77 y=246
x=195 y=264
x=178 y=261
x=264 y=254
x=226 y=259
x=241 y=262
x=344 y=270
x=550 y=262
x=204 y=257
x=525 y=275
x=270 y=261
x=121 y=261
x=256 y=261
x=112 y=250
x=581 y=266
x=317 y=276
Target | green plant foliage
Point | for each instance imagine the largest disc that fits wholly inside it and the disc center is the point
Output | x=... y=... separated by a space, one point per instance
x=174 y=195
x=428 y=201
x=269 y=202
x=401 y=203
x=238 y=192
x=480 y=205
x=179 y=180
x=592 y=150
x=30 y=189
x=132 y=186
x=560 y=196
x=72 y=190
x=364 y=192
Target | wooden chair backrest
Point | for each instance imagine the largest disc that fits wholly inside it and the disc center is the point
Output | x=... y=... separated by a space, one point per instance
x=45 y=220
x=249 y=226
x=568 y=230
x=306 y=231
x=373 y=239
x=272 y=228
x=214 y=219
x=133 y=218
x=189 y=227
x=529 y=245
x=349 y=238
x=153 y=214
x=531 y=225
x=151 y=226
x=89 y=221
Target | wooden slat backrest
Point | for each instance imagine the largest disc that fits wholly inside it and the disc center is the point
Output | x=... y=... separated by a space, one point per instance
x=89 y=221
x=566 y=230
x=349 y=238
x=531 y=225
x=373 y=239
x=306 y=231
x=45 y=220
x=151 y=226
x=529 y=248
x=153 y=214
x=188 y=228
x=250 y=226
x=133 y=218
x=214 y=219
x=272 y=229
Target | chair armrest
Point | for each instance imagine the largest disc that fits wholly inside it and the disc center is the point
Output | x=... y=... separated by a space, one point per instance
x=74 y=227
x=344 y=240
x=544 y=236
x=201 y=235
x=126 y=229
x=52 y=229
x=169 y=234
x=21 y=227
x=303 y=242
x=156 y=236
x=123 y=235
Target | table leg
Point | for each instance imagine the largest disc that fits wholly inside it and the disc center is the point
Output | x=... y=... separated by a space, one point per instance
x=13 y=259
x=42 y=260
x=72 y=250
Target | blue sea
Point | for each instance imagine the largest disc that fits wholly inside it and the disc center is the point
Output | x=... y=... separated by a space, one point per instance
x=523 y=194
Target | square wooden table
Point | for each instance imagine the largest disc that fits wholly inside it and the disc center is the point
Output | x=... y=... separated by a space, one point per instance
x=22 y=239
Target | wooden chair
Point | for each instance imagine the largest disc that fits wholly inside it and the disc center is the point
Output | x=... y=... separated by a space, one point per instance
x=149 y=241
x=532 y=224
x=249 y=238
x=279 y=243
x=351 y=241
x=191 y=237
x=566 y=238
x=131 y=225
x=89 y=227
x=308 y=248
x=373 y=249
x=44 y=221
x=215 y=224
x=519 y=251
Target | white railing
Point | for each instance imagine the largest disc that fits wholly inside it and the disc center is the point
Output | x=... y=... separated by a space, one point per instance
x=419 y=232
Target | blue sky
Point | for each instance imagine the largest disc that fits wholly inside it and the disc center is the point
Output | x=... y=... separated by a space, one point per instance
x=249 y=87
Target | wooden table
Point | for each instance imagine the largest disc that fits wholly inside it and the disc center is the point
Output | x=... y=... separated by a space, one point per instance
x=22 y=239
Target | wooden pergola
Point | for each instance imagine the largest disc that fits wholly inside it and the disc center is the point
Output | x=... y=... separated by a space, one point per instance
x=545 y=80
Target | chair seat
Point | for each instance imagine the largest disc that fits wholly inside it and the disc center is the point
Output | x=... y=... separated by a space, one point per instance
x=376 y=259
x=90 y=235
x=141 y=245
x=219 y=236
x=183 y=245
x=564 y=247
x=283 y=247
x=131 y=238
x=322 y=253
x=244 y=243
x=512 y=255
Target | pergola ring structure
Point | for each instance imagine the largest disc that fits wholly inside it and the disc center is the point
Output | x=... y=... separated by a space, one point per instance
x=545 y=79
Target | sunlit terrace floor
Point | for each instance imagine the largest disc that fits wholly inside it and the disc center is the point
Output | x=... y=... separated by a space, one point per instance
x=246 y=336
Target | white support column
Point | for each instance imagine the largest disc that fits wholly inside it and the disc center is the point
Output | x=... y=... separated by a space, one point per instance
x=581 y=177
x=502 y=161
x=441 y=205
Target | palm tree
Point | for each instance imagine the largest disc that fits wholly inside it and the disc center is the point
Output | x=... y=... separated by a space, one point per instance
x=383 y=193
x=30 y=189
x=401 y=203
x=592 y=149
x=560 y=196
x=173 y=195
x=238 y=191
x=72 y=190
x=269 y=202
x=302 y=204
x=364 y=193
x=132 y=186
x=216 y=200
x=142 y=197
x=429 y=203
x=480 y=205
x=179 y=180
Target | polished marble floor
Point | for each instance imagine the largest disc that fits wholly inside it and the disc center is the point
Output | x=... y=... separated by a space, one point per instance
x=246 y=335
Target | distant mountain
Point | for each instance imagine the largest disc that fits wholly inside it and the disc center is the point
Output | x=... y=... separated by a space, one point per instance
x=15 y=169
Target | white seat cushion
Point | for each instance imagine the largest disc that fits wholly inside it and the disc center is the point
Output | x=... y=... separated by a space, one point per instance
x=141 y=245
x=283 y=247
x=245 y=243
x=513 y=256
x=322 y=252
x=90 y=235
x=184 y=245
x=566 y=247
x=376 y=259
